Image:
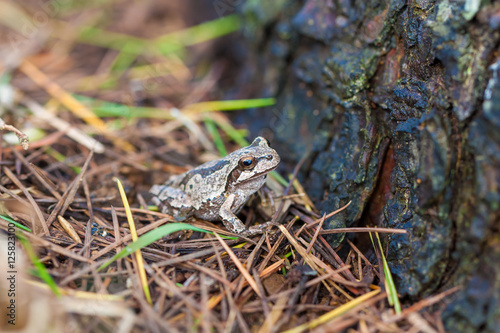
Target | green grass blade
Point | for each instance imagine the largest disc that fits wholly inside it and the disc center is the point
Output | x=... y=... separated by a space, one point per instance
x=390 y=281
x=279 y=178
x=61 y=158
x=172 y=42
x=150 y=237
x=41 y=271
x=236 y=135
x=236 y=104
x=212 y=129
x=17 y=224
x=111 y=40
x=107 y=109
x=71 y=6
x=200 y=33
x=392 y=294
x=126 y=57
x=110 y=109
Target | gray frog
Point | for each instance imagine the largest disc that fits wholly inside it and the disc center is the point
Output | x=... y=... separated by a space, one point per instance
x=217 y=190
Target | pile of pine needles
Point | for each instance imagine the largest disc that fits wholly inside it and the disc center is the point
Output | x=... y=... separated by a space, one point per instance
x=112 y=106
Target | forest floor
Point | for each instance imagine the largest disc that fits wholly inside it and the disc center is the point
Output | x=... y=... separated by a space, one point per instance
x=126 y=93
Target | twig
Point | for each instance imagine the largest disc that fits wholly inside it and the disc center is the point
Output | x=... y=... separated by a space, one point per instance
x=23 y=138
x=68 y=196
x=361 y=229
x=316 y=233
x=63 y=126
x=423 y=304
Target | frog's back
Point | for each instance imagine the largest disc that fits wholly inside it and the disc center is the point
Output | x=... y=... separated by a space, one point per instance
x=204 y=171
x=204 y=183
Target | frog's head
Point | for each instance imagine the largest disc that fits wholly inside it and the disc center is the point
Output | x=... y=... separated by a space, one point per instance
x=256 y=160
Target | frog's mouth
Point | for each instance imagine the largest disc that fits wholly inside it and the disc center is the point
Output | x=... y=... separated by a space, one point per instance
x=255 y=175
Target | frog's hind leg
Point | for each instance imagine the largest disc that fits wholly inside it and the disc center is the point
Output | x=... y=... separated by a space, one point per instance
x=172 y=201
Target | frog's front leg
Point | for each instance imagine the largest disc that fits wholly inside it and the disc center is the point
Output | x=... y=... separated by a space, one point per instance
x=231 y=221
x=173 y=201
x=234 y=224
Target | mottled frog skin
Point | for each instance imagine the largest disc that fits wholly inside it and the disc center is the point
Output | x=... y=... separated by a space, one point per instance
x=217 y=190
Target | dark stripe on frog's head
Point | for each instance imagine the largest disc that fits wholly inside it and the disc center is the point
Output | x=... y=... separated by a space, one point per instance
x=203 y=172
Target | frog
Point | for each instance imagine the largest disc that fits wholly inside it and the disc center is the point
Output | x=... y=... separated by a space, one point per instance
x=218 y=189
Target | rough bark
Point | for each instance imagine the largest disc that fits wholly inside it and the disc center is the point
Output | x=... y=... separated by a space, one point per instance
x=399 y=104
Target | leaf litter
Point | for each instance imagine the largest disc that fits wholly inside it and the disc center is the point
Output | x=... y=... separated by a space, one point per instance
x=136 y=100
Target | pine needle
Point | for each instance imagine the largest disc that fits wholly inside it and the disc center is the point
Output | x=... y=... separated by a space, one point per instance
x=133 y=232
x=239 y=265
x=329 y=316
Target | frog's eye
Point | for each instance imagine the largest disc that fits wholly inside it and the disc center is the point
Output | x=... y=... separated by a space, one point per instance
x=247 y=162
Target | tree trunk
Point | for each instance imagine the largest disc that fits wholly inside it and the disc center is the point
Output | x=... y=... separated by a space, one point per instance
x=396 y=103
